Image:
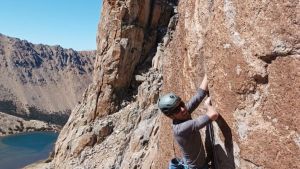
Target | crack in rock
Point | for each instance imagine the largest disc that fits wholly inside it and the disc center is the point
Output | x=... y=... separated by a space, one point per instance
x=252 y=163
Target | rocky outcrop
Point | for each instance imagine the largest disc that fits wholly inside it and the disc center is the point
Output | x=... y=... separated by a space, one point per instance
x=13 y=125
x=250 y=51
x=118 y=114
x=42 y=82
x=119 y=140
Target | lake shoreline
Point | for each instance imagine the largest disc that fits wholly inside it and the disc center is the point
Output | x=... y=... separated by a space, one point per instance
x=13 y=125
x=23 y=149
x=30 y=131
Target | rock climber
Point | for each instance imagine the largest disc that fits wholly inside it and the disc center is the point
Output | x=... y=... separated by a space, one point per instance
x=185 y=129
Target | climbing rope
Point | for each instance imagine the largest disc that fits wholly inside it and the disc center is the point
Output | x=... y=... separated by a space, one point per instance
x=214 y=161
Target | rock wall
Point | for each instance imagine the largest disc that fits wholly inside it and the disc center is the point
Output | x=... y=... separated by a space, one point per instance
x=116 y=124
x=250 y=51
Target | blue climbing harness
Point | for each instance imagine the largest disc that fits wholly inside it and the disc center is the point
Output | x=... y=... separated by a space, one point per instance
x=177 y=163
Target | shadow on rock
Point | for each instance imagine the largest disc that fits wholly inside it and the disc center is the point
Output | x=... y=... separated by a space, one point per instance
x=225 y=157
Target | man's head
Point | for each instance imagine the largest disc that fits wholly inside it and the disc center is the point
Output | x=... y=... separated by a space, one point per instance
x=172 y=106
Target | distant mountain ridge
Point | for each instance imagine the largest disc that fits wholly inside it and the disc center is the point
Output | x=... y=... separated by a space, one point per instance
x=40 y=81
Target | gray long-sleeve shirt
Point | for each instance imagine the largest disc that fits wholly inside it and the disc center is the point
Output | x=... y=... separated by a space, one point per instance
x=187 y=135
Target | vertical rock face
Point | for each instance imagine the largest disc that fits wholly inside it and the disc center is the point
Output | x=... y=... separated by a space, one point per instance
x=250 y=51
x=116 y=124
x=127 y=34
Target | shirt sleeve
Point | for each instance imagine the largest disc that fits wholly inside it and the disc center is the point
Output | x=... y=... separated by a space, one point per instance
x=196 y=100
x=192 y=125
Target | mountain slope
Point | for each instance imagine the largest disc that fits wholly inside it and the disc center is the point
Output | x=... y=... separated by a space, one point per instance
x=41 y=82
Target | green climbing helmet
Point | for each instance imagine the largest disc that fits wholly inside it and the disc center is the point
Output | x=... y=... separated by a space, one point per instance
x=168 y=103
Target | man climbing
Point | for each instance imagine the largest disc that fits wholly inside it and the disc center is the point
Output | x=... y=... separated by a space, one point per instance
x=185 y=129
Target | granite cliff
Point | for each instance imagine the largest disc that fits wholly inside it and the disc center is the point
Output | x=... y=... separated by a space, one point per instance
x=41 y=82
x=251 y=53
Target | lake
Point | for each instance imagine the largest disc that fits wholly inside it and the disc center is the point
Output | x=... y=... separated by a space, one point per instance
x=19 y=150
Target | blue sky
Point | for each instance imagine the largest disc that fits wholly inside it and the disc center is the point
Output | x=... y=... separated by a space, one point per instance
x=69 y=23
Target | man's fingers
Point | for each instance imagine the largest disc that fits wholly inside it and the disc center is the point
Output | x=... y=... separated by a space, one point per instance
x=207 y=101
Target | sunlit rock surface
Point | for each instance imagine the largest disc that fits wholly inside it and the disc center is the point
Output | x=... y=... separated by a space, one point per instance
x=250 y=52
x=42 y=82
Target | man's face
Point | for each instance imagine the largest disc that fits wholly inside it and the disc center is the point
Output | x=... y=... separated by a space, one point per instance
x=181 y=113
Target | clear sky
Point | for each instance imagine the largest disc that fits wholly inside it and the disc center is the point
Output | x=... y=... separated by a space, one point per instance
x=68 y=23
